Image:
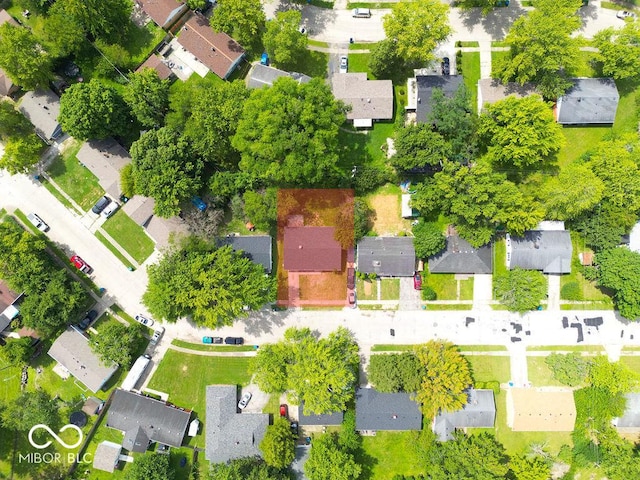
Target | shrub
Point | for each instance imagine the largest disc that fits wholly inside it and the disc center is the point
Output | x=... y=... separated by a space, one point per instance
x=571 y=291
x=428 y=294
x=490 y=385
x=570 y=369
x=590 y=273
x=368 y=179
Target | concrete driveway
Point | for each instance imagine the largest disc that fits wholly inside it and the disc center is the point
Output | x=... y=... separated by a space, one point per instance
x=409 y=296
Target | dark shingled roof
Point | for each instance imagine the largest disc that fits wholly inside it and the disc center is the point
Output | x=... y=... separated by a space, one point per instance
x=42 y=108
x=144 y=420
x=631 y=417
x=311 y=249
x=546 y=250
x=426 y=83
x=479 y=412
x=589 y=101
x=256 y=248
x=386 y=411
x=460 y=257
x=387 y=256
x=334 y=418
x=231 y=434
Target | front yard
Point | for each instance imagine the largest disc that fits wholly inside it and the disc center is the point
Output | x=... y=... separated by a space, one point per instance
x=129 y=236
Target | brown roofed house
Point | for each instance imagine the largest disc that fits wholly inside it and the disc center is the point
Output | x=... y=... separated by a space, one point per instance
x=163 y=12
x=369 y=99
x=216 y=50
x=155 y=62
x=6 y=18
x=311 y=249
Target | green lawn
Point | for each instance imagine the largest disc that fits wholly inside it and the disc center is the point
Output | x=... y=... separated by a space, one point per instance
x=362 y=46
x=487 y=368
x=539 y=373
x=75 y=179
x=390 y=289
x=213 y=348
x=585 y=67
x=449 y=306
x=471 y=74
x=129 y=236
x=467 y=44
x=627 y=113
x=359 y=62
x=185 y=378
x=388 y=454
x=567 y=348
x=579 y=140
x=313 y=64
x=361 y=291
x=114 y=250
x=317 y=43
x=140 y=41
x=632 y=362
x=444 y=284
x=466 y=289
x=499 y=257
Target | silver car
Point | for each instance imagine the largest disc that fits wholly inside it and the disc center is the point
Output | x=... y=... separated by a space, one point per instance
x=344 y=64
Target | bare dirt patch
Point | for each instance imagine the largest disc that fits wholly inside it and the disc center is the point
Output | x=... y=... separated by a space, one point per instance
x=388 y=219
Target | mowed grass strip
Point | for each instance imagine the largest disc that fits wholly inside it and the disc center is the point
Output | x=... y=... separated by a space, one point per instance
x=202 y=347
x=129 y=236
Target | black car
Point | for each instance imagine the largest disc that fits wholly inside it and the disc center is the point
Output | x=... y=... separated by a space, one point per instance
x=88 y=318
x=234 y=340
x=217 y=339
x=294 y=428
x=101 y=204
x=446 y=66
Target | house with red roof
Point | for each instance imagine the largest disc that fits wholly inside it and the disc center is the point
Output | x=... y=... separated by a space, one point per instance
x=311 y=249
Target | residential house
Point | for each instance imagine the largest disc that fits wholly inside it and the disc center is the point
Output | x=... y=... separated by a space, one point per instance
x=107 y=456
x=386 y=411
x=158 y=64
x=546 y=250
x=161 y=230
x=370 y=100
x=386 y=256
x=311 y=249
x=230 y=434
x=42 y=108
x=144 y=420
x=164 y=13
x=74 y=354
x=7 y=87
x=325 y=419
x=538 y=410
x=460 y=257
x=629 y=422
x=105 y=159
x=590 y=101
x=479 y=412
x=8 y=305
x=257 y=248
x=263 y=76
x=216 y=50
x=492 y=90
x=420 y=90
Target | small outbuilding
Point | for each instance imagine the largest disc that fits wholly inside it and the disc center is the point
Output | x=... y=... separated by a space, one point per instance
x=107 y=456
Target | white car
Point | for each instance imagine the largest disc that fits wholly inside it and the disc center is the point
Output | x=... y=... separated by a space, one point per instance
x=624 y=14
x=110 y=209
x=244 y=401
x=343 y=64
x=37 y=222
x=157 y=335
x=147 y=322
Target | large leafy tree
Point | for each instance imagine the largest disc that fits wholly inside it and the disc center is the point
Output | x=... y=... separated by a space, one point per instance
x=619 y=50
x=396 y=372
x=329 y=461
x=283 y=40
x=211 y=285
x=93 y=110
x=279 y=443
x=529 y=468
x=418 y=146
x=61 y=33
x=540 y=50
x=520 y=132
x=242 y=19
x=417 y=28
x=384 y=61
x=288 y=133
x=23 y=58
x=117 y=343
x=362 y=218
x=261 y=207
x=570 y=369
x=165 y=168
x=615 y=377
x=29 y=409
x=479 y=457
x=447 y=377
x=619 y=270
x=12 y=122
x=520 y=290
x=152 y=466
x=21 y=153
x=574 y=191
x=322 y=373
x=99 y=18
x=17 y=351
x=428 y=239
x=247 y=468
x=148 y=97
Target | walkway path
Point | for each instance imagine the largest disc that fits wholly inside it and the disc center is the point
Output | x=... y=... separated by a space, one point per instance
x=553 y=291
x=485 y=58
x=482 y=292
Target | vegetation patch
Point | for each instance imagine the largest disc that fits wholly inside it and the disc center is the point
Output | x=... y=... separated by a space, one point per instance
x=470 y=70
x=213 y=348
x=390 y=289
x=114 y=250
x=129 y=236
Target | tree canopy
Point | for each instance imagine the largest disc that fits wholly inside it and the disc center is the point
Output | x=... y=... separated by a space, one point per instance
x=242 y=19
x=247 y=468
x=117 y=343
x=520 y=290
x=278 y=444
x=21 y=153
x=328 y=461
x=619 y=270
x=99 y=18
x=283 y=40
x=17 y=351
x=147 y=97
x=419 y=147
x=619 y=50
x=574 y=191
x=428 y=239
x=615 y=377
x=391 y=373
x=288 y=133
x=22 y=57
x=28 y=409
x=570 y=369
x=261 y=207
x=150 y=466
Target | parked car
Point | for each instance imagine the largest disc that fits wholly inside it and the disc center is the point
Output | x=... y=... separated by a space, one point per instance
x=207 y=339
x=623 y=14
x=294 y=428
x=38 y=222
x=264 y=59
x=101 y=205
x=344 y=64
x=284 y=410
x=417 y=281
x=352 y=299
x=244 y=401
x=147 y=322
x=234 y=340
x=88 y=319
x=110 y=209
x=80 y=264
x=199 y=203
x=446 y=66
x=361 y=13
x=157 y=335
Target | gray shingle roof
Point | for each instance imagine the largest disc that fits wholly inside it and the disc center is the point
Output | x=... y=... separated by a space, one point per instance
x=106 y=456
x=105 y=159
x=369 y=99
x=426 y=83
x=479 y=412
x=71 y=350
x=631 y=416
x=255 y=247
x=460 y=257
x=42 y=109
x=144 y=419
x=386 y=411
x=546 y=250
x=590 y=100
x=491 y=90
x=387 y=256
x=231 y=434
x=263 y=76
x=334 y=418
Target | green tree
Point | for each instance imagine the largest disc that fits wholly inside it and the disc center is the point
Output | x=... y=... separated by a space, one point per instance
x=418 y=146
x=619 y=270
x=348 y=438
x=17 y=351
x=63 y=35
x=271 y=364
x=165 y=168
x=479 y=457
x=600 y=230
x=22 y=57
x=28 y=409
x=417 y=28
x=532 y=468
x=117 y=343
x=197 y=4
x=328 y=461
x=540 y=50
x=247 y=468
x=520 y=290
x=288 y=133
x=151 y=466
x=446 y=378
x=147 y=97
x=428 y=239
x=261 y=207
x=242 y=19
x=486 y=5
x=21 y=153
x=283 y=41
x=396 y=372
x=93 y=110
x=362 y=218
x=106 y=19
x=574 y=191
x=12 y=122
x=278 y=445
x=384 y=61
x=619 y=50
x=212 y=286
x=520 y=132
x=570 y=369
x=615 y=377
x=619 y=459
